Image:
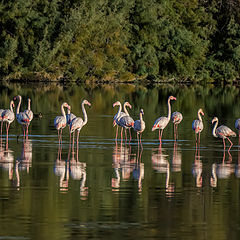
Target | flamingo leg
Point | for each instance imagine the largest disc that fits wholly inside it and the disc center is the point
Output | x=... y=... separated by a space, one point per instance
x=73 y=141
x=230 y=143
x=116 y=134
x=1 y=126
x=138 y=139
x=125 y=130
x=140 y=135
x=130 y=136
x=77 y=137
x=224 y=145
x=199 y=139
x=159 y=135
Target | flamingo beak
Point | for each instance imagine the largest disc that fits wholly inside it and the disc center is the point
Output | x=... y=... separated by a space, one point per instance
x=89 y=104
x=174 y=98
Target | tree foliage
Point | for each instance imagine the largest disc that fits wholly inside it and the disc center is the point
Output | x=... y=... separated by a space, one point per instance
x=109 y=40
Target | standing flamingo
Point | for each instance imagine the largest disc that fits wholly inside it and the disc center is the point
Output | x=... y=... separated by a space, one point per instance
x=125 y=122
x=176 y=118
x=61 y=121
x=22 y=117
x=77 y=123
x=197 y=125
x=237 y=126
x=162 y=122
x=8 y=117
x=139 y=126
x=222 y=132
x=29 y=113
x=120 y=114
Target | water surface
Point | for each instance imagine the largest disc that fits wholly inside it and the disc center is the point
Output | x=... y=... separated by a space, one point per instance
x=117 y=190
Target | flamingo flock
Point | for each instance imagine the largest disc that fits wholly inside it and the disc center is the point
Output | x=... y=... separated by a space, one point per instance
x=121 y=119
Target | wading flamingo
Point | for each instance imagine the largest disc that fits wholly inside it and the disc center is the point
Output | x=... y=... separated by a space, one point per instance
x=29 y=113
x=222 y=132
x=22 y=117
x=77 y=123
x=139 y=126
x=8 y=117
x=197 y=126
x=120 y=114
x=176 y=118
x=162 y=122
x=61 y=121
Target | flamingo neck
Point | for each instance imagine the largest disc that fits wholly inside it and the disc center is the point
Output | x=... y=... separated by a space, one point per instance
x=19 y=104
x=68 y=111
x=62 y=110
x=199 y=116
x=214 y=129
x=125 y=109
x=29 y=105
x=141 y=119
x=11 y=106
x=119 y=110
x=169 y=110
x=84 y=114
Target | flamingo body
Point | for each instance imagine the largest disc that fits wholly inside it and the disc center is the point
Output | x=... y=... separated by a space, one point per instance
x=76 y=124
x=139 y=125
x=197 y=126
x=60 y=122
x=176 y=117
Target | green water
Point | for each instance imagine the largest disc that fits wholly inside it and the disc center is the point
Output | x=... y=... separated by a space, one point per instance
x=116 y=190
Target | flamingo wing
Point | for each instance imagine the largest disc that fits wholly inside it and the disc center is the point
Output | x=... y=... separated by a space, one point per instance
x=22 y=118
x=197 y=126
x=160 y=123
x=224 y=131
x=126 y=121
x=237 y=124
x=8 y=116
x=29 y=114
x=60 y=122
x=76 y=124
x=176 y=117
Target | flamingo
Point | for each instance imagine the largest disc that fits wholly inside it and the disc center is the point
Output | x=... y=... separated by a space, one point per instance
x=77 y=123
x=125 y=122
x=176 y=118
x=197 y=125
x=8 y=117
x=139 y=126
x=61 y=121
x=22 y=117
x=162 y=122
x=237 y=126
x=29 y=113
x=120 y=114
x=70 y=116
x=222 y=132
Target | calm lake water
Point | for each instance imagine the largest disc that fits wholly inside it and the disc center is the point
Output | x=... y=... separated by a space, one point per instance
x=116 y=190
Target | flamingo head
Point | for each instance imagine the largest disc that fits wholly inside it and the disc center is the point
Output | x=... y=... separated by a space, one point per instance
x=12 y=103
x=201 y=111
x=127 y=104
x=116 y=104
x=215 y=119
x=142 y=112
x=172 y=98
x=86 y=102
x=66 y=105
x=17 y=97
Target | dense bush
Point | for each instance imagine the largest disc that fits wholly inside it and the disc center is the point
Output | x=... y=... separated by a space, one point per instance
x=112 y=40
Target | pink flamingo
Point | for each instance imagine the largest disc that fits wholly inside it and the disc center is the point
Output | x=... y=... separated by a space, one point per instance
x=176 y=118
x=77 y=123
x=61 y=121
x=8 y=117
x=22 y=117
x=197 y=125
x=162 y=122
x=237 y=126
x=125 y=122
x=120 y=114
x=222 y=132
x=29 y=113
x=139 y=126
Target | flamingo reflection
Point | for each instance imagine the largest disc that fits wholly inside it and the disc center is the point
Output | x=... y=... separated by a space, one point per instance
x=177 y=158
x=78 y=172
x=61 y=169
x=126 y=164
x=222 y=170
x=161 y=164
x=197 y=167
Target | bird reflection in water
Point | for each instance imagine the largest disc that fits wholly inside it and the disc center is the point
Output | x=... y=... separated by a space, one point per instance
x=237 y=167
x=61 y=169
x=197 y=167
x=161 y=165
x=126 y=164
x=78 y=172
x=176 y=164
x=222 y=170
